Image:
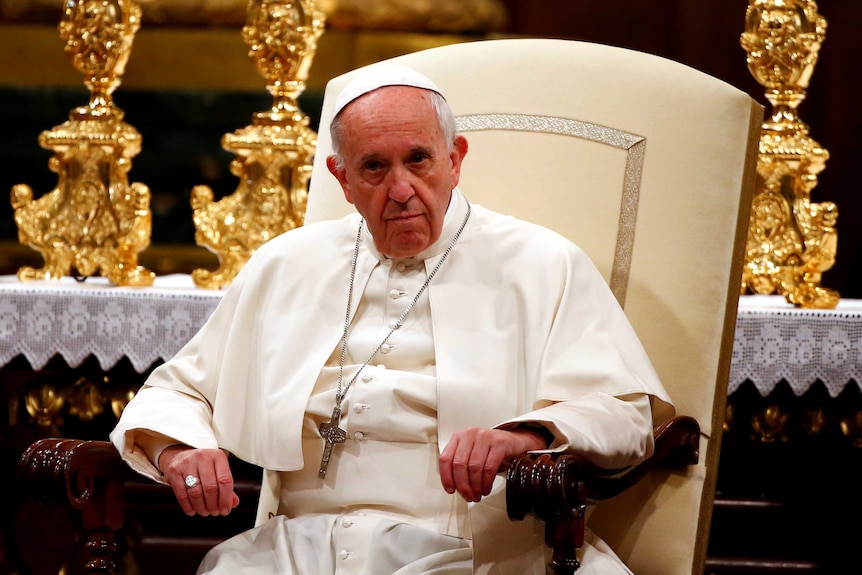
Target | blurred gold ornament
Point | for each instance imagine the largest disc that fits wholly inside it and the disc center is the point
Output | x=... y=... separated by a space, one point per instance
x=120 y=401
x=791 y=240
x=93 y=221
x=770 y=424
x=851 y=427
x=86 y=399
x=814 y=420
x=45 y=404
x=274 y=154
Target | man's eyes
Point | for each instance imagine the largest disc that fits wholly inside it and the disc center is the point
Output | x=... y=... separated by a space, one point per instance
x=417 y=158
x=412 y=160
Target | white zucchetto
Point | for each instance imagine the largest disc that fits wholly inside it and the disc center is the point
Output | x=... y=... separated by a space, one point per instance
x=379 y=76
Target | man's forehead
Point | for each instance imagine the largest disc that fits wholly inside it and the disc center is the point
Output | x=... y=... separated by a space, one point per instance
x=388 y=136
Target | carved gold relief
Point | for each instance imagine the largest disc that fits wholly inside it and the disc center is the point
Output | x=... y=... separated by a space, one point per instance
x=814 y=420
x=120 y=401
x=770 y=424
x=274 y=154
x=45 y=404
x=94 y=221
x=851 y=427
x=87 y=395
x=86 y=400
x=791 y=240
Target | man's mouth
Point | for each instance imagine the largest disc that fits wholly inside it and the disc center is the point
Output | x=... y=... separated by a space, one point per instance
x=402 y=218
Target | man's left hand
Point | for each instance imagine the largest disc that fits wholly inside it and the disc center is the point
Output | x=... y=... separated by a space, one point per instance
x=474 y=456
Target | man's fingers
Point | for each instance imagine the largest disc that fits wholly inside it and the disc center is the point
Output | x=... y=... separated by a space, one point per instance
x=227 y=498
x=445 y=464
x=473 y=457
x=202 y=482
x=181 y=492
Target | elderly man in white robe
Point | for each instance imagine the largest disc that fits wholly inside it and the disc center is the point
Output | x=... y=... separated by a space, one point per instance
x=383 y=368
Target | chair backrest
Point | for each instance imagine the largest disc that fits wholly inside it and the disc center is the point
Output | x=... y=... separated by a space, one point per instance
x=648 y=165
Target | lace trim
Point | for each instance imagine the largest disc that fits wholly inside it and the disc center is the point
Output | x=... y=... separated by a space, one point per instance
x=775 y=341
x=41 y=319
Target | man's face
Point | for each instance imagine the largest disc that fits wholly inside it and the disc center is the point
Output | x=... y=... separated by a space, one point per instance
x=397 y=172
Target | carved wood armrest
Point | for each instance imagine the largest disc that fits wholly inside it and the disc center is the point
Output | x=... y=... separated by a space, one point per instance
x=556 y=487
x=88 y=476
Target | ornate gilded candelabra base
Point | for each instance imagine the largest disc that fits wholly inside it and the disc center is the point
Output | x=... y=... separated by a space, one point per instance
x=94 y=221
x=274 y=154
x=791 y=240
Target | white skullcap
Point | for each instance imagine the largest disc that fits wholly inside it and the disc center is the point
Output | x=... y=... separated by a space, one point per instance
x=379 y=76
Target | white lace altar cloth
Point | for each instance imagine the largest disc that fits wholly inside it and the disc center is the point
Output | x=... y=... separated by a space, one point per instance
x=40 y=319
x=776 y=341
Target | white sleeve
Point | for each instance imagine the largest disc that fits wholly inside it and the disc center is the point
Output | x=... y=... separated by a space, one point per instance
x=607 y=431
x=163 y=413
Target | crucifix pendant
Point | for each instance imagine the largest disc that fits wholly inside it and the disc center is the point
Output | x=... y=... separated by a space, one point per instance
x=332 y=433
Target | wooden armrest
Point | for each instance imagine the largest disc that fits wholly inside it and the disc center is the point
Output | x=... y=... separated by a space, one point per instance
x=88 y=476
x=556 y=487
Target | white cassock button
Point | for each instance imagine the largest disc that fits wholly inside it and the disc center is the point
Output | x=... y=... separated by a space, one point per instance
x=360 y=407
x=386 y=348
x=394 y=294
x=344 y=554
x=400 y=267
x=346 y=523
x=393 y=325
x=367 y=377
x=358 y=436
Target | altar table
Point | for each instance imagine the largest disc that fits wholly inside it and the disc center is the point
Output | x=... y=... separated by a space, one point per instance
x=774 y=341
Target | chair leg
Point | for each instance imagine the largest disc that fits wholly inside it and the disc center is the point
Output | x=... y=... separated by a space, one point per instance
x=548 y=486
x=100 y=552
x=87 y=476
x=564 y=537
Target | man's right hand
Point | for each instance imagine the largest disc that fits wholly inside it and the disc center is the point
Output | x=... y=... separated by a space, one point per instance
x=213 y=494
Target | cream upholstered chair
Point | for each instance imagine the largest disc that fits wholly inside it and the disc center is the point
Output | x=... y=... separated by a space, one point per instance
x=648 y=165
x=645 y=163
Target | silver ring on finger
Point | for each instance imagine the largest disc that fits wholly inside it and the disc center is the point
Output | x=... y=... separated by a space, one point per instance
x=191 y=481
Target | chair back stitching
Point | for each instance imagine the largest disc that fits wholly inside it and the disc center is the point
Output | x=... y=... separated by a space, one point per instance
x=635 y=147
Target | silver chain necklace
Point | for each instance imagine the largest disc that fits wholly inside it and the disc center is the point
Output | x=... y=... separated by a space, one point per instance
x=331 y=430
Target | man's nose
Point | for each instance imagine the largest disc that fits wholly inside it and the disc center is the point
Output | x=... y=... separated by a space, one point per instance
x=401 y=185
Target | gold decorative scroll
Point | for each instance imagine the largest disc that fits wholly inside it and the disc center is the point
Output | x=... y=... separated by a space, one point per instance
x=93 y=221
x=791 y=240
x=274 y=154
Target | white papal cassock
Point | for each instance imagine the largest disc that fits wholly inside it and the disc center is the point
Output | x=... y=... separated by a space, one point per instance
x=516 y=326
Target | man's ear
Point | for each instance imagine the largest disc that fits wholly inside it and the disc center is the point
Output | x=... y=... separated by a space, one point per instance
x=341 y=175
x=459 y=150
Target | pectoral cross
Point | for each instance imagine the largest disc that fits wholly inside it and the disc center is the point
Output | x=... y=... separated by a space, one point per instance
x=332 y=433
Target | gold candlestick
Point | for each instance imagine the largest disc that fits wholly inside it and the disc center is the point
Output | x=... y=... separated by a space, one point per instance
x=791 y=240
x=93 y=221
x=274 y=154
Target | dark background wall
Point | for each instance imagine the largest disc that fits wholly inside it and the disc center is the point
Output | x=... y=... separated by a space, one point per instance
x=182 y=129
